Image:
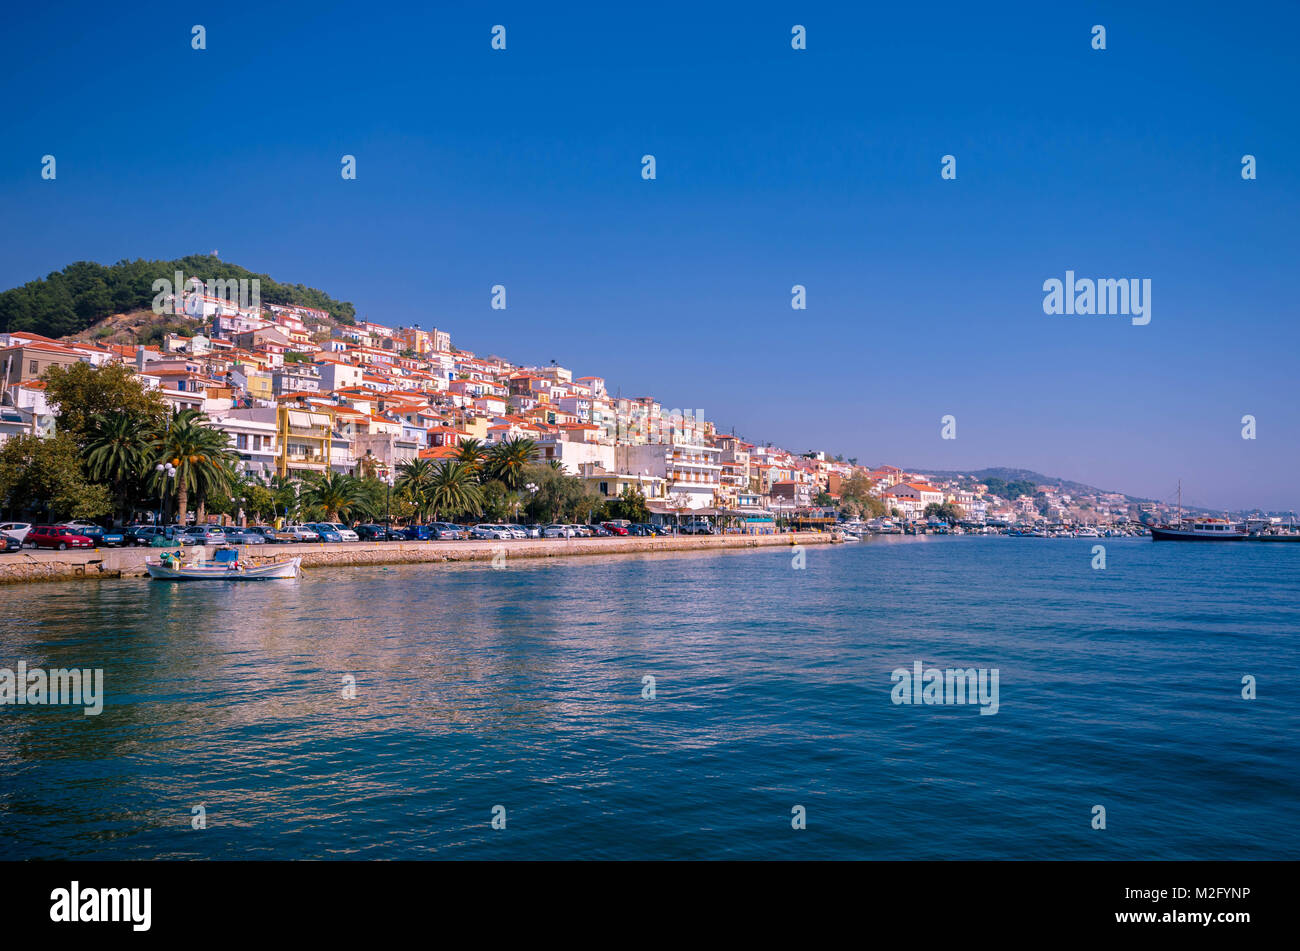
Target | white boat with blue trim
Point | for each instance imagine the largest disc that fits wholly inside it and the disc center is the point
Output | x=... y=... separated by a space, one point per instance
x=225 y=566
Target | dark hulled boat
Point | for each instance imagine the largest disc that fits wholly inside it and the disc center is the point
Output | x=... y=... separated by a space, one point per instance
x=1200 y=530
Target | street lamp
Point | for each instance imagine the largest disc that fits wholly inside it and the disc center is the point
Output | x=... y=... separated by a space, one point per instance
x=532 y=490
x=388 y=509
x=166 y=471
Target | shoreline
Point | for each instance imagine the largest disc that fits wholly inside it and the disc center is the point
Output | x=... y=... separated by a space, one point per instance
x=40 y=566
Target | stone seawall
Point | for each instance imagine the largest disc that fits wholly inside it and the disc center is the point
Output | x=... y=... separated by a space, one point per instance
x=18 y=567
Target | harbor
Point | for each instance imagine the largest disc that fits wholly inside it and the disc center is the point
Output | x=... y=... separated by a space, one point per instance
x=104 y=563
x=525 y=687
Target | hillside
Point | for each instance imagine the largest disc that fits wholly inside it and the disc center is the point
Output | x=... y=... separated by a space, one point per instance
x=73 y=300
x=1016 y=475
x=135 y=327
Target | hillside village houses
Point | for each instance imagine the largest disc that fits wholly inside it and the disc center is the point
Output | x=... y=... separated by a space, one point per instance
x=298 y=395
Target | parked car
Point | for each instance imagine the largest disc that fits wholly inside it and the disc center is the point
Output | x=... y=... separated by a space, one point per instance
x=272 y=535
x=146 y=534
x=661 y=530
x=558 y=531
x=376 y=533
x=640 y=530
x=201 y=535
x=56 y=536
x=344 y=533
x=600 y=531
x=614 y=528
x=302 y=533
x=447 y=531
x=698 y=527
x=533 y=531
x=143 y=534
x=16 y=530
x=244 y=536
x=139 y=534
x=489 y=530
x=105 y=537
x=325 y=531
x=8 y=543
x=518 y=531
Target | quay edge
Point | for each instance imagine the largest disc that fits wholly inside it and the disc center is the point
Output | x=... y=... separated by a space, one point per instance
x=39 y=566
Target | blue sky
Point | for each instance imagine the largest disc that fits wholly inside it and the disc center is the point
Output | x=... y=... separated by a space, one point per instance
x=775 y=167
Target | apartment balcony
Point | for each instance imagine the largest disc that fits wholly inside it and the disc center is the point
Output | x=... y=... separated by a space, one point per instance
x=307 y=460
x=691 y=478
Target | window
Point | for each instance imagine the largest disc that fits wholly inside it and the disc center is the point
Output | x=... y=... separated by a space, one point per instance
x=241 y=441
x=604 y=488
x=35 y=367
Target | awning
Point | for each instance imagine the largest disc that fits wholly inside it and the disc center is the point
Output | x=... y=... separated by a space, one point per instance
x=307 y=420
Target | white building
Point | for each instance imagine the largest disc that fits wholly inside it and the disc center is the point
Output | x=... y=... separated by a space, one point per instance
x=337 y=375
x=252 y=439
x=692 y=471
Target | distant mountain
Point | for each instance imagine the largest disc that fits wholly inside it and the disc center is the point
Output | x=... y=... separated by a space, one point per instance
x=1007 y=474
x=68 y=301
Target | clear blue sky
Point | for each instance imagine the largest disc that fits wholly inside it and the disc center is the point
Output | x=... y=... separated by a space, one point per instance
x=775 y=167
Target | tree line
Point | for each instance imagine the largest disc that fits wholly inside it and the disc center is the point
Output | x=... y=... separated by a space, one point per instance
x=70 y=300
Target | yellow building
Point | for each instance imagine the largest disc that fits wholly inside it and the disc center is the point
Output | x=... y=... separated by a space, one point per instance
x=304 y=437
x=257 y=382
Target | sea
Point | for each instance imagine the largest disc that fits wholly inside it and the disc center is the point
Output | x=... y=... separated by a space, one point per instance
x=747 y=704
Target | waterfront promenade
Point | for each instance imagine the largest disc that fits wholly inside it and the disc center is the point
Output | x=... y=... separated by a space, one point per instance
x=70 y=565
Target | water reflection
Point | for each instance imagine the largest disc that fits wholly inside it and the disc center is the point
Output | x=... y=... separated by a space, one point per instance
x=523 y=686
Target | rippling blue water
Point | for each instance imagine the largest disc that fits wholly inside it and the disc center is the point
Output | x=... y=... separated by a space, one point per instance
x=522 y=688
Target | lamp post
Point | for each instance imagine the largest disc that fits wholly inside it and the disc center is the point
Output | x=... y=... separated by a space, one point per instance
x=166 y=471
x=532 y=490
x=388 y=508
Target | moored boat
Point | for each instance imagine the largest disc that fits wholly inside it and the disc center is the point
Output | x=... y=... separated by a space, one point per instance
x=1274 y=537
x=1197 y=530
x=1200 y=530
x=225 y=566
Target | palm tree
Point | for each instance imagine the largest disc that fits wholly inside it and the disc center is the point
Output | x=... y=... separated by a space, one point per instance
x=117 y=454
x=413 y=479
x=471 y=451
x=509 y=459
x=284 y=492
x=335 y=492
x=219 y=477
x=454 y=488
x=200 y=455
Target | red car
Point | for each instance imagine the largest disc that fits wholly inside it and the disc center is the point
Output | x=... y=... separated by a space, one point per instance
x=55 y=536
x=613 y=528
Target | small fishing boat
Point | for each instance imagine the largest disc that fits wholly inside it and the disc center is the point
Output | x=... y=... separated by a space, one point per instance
x=225 y=566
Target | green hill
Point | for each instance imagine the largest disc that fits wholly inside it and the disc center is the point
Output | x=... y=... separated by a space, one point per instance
x=71 y=300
